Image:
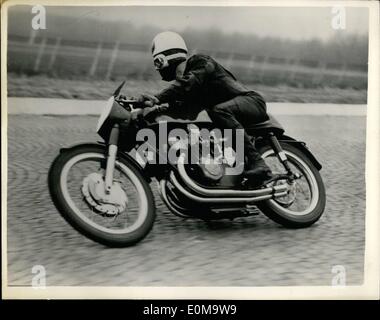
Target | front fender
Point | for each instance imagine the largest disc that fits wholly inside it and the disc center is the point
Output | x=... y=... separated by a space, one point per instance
x=82 y=144
x=300 y=145
x=102 y=148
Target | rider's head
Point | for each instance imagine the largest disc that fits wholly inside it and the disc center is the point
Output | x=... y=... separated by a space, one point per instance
x=168 y=51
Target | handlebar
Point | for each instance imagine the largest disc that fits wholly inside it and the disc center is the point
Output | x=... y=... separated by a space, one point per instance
x=134 y=102
x=129 y=101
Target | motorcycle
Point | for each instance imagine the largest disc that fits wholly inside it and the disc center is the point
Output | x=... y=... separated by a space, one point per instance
x=103 y=189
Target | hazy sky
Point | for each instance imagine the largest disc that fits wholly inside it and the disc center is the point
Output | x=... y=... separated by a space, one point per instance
x=294 y=23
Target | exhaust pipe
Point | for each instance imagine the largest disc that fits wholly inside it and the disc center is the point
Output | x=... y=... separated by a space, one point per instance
x=216 y=193
x=164 y=198
x=222 y=199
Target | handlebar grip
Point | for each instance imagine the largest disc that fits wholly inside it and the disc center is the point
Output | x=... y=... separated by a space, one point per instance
x=131 y=101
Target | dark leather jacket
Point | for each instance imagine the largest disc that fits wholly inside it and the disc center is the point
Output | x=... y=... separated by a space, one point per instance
x=204 y=83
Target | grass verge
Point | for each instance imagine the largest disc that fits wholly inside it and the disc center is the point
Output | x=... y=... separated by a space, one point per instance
x=44 y=87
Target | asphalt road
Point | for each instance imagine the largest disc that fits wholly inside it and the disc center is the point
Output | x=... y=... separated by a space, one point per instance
x=250 y=251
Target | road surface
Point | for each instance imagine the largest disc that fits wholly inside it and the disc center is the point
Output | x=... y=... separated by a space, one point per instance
x=250 y=251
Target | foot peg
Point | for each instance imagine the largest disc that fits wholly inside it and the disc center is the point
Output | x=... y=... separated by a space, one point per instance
x=276 y=177
x=263 y=183
x=253 y=184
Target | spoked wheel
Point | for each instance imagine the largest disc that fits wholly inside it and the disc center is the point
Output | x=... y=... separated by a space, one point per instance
x=120 y=218
x=306 y=199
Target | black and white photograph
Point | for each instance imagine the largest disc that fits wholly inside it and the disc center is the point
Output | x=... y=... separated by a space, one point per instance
x=190 y=149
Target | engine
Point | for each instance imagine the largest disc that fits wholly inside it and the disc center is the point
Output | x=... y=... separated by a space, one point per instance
x=214 y=159
x=211 y=170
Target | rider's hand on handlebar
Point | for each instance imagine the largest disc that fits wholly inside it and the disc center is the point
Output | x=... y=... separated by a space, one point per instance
x=152 y=113
x=146 y=100
x=121 y=97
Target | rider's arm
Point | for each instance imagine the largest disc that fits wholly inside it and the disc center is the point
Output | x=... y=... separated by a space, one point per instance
x=196 y=73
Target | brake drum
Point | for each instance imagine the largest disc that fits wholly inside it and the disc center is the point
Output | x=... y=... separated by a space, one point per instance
x=93 y=190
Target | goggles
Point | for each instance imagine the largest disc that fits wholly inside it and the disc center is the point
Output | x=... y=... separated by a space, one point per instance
x=161 y=61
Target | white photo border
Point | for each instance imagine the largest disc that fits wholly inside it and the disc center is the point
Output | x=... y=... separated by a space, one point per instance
x=370 y=287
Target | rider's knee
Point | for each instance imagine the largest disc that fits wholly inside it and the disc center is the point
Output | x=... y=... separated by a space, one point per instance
x=219 y=109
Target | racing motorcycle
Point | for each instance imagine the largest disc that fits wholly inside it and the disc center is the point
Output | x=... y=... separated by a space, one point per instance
x=103 y=189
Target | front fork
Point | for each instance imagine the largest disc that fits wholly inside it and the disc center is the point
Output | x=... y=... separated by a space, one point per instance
x=111 y=157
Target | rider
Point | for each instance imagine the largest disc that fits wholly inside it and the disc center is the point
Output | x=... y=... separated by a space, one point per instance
x=202 y=83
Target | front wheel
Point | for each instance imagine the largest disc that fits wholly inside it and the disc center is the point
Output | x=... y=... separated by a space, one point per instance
x=118 y=219
x=306 y=200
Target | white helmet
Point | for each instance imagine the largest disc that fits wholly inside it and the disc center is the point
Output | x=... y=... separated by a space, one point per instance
x=168 y=50
x=167 y=40
x=168 y=45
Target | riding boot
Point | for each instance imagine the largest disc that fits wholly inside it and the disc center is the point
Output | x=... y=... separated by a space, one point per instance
x=256 y=170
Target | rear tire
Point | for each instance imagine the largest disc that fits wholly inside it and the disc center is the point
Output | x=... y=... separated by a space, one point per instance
x=282 y=215
x=105 y=238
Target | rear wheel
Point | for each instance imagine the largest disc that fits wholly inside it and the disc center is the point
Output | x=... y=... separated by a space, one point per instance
x=76 y=180
x=306 y=200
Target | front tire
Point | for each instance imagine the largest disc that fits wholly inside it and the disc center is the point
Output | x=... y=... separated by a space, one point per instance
x=73 y=215
x=283 y=215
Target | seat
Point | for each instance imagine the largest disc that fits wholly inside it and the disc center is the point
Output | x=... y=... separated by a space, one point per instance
x=262 y=128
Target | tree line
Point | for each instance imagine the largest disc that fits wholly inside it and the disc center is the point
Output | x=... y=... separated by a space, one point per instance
x=348 y=49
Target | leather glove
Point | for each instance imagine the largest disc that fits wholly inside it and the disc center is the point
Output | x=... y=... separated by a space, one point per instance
x=146 y=100
x=121 y=97
x=152 y=113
